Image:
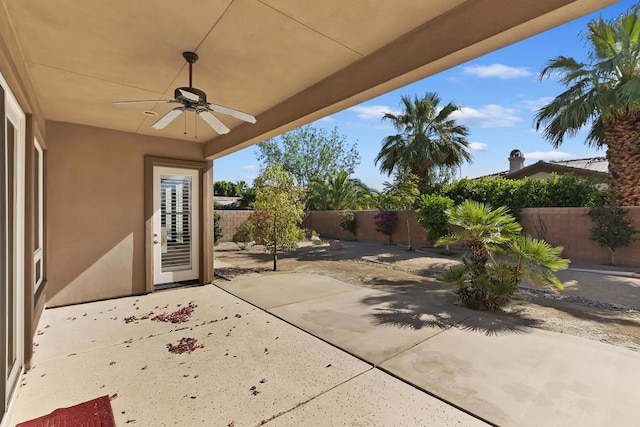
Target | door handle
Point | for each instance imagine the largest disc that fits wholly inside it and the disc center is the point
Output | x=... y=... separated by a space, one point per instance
x=155 y=242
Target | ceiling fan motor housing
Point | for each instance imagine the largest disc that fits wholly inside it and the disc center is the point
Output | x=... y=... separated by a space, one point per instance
x=185 y=100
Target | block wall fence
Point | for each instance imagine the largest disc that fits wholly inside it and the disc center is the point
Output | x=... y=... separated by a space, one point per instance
x=566 y=227
x=230 y=220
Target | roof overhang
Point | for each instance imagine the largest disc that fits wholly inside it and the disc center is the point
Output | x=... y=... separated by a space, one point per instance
x=288 y=62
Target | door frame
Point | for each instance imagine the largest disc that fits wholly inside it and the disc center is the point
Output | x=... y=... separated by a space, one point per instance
x=205 y=222
x=161 y=277
x=11 y=109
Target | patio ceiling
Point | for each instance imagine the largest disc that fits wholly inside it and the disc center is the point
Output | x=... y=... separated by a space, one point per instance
x=287 y=62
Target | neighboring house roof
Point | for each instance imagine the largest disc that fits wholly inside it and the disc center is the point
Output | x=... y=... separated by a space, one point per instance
x=594 y=166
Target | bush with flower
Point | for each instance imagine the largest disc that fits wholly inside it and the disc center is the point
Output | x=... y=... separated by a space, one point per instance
x=385 y=221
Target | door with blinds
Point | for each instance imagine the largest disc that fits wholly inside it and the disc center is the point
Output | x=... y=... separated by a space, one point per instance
x=175 y=226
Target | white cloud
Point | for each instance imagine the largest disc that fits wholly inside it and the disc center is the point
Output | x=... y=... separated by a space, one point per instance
x=326 y=119
x=500 y=71
x=250 y=168
x=548 y=155
x=489 y=116
x=536 y=104
x=368 y=112
x=478 y=146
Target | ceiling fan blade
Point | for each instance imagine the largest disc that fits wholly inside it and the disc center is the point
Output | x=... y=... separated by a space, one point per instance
x=190 y=96
x=167 y=118
x=150 y=101
x=214 y=122
x=231 y=112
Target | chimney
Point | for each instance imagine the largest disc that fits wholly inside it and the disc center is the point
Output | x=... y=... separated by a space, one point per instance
x=516 y=161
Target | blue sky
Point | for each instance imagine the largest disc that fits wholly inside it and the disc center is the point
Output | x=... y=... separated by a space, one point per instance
x=498 y=93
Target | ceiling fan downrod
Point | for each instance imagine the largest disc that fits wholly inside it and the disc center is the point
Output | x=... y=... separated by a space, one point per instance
x=190 y=57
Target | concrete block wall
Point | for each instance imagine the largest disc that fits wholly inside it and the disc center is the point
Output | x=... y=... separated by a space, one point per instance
x=571 y=229
x=327 y=224
x=230 y=221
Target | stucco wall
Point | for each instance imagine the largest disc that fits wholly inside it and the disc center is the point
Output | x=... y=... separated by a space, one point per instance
x=327 y=224
x=96 y=222
x=571 y=229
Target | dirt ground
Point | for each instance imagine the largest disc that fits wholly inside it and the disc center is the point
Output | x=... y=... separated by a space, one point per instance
x=393 y=269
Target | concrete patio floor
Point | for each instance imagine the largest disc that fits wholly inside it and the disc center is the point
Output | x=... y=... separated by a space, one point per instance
x=507 y=374
x=253 y=367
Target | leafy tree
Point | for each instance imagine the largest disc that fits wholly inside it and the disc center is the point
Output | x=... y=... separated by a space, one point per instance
x=337 y=191
x=602 y=93
x=432 y=215
x=493 y=231
x=308 y=153
x=279 y=210
x=429 y=143
x=229 y=189
x=401 y=195
x=248 y=199
x=612 y=228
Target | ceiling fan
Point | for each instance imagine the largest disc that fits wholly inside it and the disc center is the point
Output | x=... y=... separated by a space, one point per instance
x=194 y=100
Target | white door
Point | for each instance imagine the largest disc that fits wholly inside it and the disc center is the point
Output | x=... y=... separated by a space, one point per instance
x=176 y=249
x=12 y=144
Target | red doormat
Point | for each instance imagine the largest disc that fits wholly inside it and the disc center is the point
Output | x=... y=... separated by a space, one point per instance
x=94 y=413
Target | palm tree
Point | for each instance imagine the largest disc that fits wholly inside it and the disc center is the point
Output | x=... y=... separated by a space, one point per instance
x=428 y=141
x=481 y=228
x=603 y=93
x=493 y=231
x=337 y=192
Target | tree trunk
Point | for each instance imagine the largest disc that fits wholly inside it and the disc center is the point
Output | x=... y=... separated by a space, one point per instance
x=622 y=134
x=409 y=247
x=613 y=256
x=275 y=247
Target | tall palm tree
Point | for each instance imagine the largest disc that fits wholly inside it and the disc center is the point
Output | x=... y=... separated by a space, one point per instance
x=603 y=93
x=337 y=192
x=428 y=140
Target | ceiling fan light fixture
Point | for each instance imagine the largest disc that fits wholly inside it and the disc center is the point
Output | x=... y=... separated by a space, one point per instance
x=192 y=100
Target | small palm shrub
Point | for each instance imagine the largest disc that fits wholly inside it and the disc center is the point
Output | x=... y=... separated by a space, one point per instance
x=487 y=283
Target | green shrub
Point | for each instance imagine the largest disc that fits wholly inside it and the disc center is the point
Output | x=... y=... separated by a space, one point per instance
x=432 y=216
x=555 y=191
x=243 y=236
x=300 y=234
x=217 y=228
